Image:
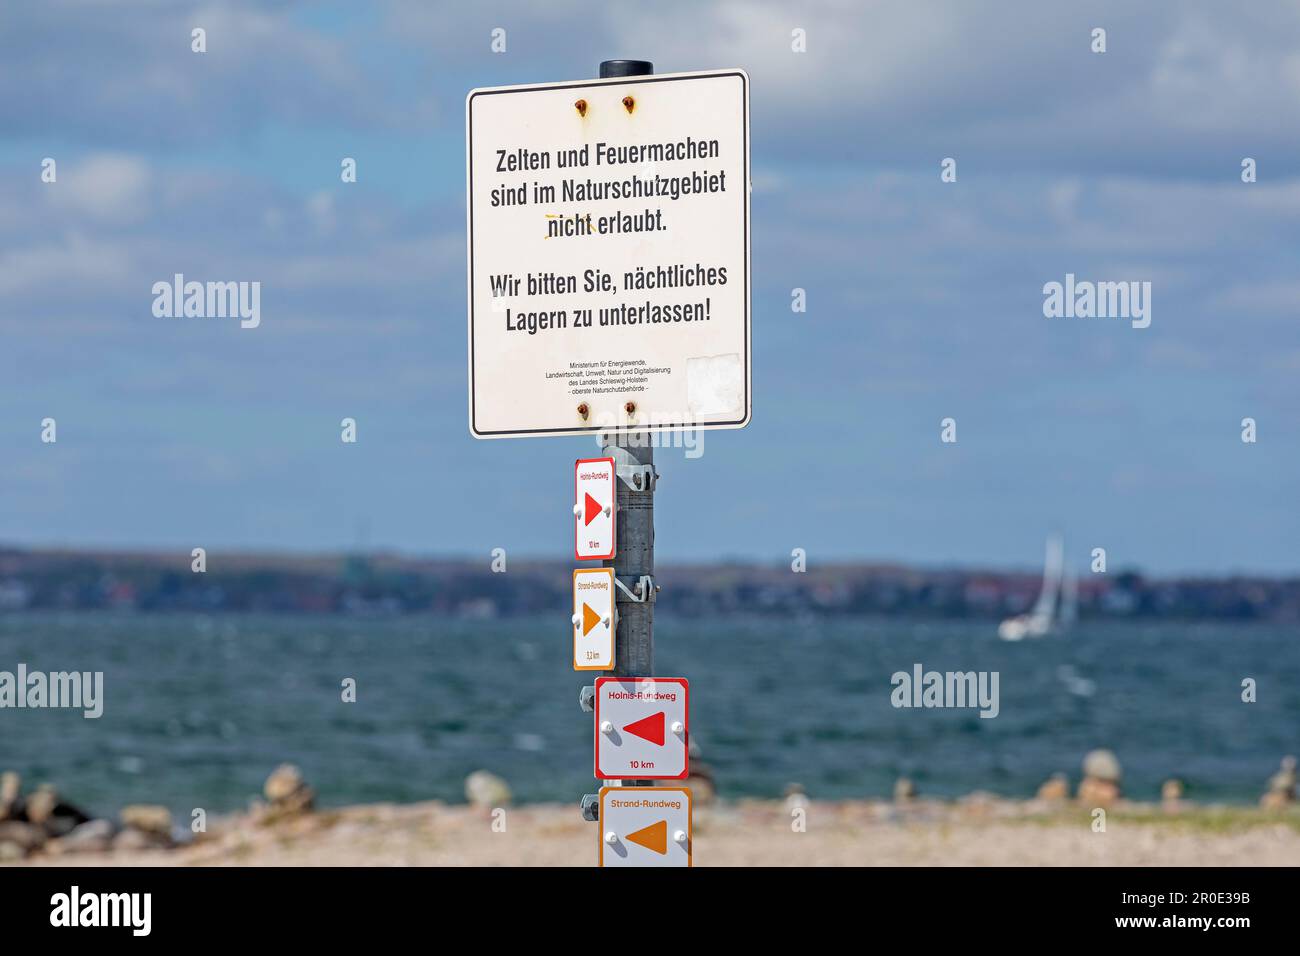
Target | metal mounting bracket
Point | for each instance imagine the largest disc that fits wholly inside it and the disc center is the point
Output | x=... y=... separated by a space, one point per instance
x=645 y=589
x=636 y=476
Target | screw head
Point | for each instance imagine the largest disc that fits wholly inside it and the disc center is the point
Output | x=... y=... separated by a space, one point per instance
x=630 y=408
x=679 y=836
x=611 y=836
x=581 y=107
x=629 y=104
x=606 y=727
x=677 y=727
x=583 y=411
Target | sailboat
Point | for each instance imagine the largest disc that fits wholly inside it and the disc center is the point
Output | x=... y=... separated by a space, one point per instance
x=1057 y=604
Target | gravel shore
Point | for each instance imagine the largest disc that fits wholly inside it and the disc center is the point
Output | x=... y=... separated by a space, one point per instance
x=976 y=831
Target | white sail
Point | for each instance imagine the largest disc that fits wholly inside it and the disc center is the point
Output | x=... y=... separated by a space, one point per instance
x=1069 y=600
x=1045 y=607
x=1041 y=620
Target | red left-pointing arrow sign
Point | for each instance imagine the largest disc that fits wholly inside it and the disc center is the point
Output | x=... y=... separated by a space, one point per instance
x=648 y=728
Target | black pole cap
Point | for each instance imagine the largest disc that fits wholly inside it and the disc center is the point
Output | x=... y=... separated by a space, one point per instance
x=610 y=68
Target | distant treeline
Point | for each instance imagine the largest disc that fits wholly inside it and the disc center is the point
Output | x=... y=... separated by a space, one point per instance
x=387 y=584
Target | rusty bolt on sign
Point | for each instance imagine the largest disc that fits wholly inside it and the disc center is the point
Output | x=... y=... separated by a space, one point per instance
x=629 y=104
x=581 y=107
x=583 y=410
x=630 y=408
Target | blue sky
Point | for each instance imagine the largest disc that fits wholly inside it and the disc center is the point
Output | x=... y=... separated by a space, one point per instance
x=924 y=298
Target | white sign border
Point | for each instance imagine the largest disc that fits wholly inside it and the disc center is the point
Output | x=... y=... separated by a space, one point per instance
x=600 y=773
x=613 y=509
x=469 y=253
x=690 y=818
x=613 y=619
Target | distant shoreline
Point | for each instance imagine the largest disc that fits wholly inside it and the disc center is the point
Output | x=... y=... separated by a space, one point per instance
x=389 y=585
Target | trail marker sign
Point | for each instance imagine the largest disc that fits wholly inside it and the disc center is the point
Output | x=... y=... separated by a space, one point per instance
x=645 y=826
x=641 y=728
x=595 y=494
x=609 y=280
x=593 y=619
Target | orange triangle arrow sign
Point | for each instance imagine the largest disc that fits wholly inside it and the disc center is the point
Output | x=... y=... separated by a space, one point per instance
x=654 y=837
x=648 y=728
x=593 y=508
x=589 y=619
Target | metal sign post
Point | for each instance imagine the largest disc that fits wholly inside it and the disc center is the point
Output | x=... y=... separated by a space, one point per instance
x=634 y=561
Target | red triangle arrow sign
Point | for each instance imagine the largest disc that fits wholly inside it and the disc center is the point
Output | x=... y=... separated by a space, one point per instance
x=593 y=508
x=648 y=728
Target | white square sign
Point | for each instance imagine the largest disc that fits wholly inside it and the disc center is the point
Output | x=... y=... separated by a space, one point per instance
x=593 y=619
x=645 y=826
x=594 y=498
x=641 y=728
x=608 y=230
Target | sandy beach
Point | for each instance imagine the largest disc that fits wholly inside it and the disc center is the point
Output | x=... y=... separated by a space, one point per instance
x=980 y=831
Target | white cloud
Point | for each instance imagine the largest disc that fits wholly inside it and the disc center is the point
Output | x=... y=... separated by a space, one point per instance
x=51 y=268
x=107 y=186
x=129 y=75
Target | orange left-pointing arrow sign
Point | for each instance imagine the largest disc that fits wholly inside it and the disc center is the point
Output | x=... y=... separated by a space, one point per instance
x=654 y=837
x=593 y=508
x=589 y=618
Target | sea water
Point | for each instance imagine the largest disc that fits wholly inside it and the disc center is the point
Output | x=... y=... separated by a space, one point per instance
x=198 y=710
